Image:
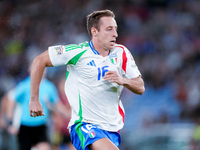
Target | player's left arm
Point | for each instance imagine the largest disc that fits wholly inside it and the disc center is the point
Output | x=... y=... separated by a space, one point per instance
x=136 y=85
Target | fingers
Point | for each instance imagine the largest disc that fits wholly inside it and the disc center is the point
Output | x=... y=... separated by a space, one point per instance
x=35 y=109
x=36 y=113
x=113 y=77
x=110 y=72
x=110 y=75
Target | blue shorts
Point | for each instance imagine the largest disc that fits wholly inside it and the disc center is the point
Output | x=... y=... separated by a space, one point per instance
x=84 y=134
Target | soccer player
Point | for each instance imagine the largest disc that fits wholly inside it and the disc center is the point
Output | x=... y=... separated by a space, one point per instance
x=97 y=71
x=32 y=132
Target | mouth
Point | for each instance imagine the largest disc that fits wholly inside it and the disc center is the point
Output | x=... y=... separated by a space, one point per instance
x=113 y=42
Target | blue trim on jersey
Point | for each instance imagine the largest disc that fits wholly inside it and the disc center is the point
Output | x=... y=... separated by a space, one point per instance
x=94 y=50
x=92 y=47
x=84 y=134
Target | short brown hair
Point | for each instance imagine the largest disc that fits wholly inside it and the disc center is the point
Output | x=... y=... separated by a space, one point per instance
x=94 y=17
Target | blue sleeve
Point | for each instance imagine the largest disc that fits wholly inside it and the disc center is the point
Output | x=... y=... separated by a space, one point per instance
x=19 y=92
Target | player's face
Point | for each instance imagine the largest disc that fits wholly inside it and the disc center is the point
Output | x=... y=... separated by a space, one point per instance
x=107 y=33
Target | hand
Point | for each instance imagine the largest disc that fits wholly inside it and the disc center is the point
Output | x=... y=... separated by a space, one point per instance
x=2 y=123
x=113 y=76
x=12 y=130
x=35 y=108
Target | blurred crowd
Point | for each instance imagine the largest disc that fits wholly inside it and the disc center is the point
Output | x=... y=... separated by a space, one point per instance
x=162 y=35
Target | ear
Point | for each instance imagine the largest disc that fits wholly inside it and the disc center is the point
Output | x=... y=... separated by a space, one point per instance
x=94 y=31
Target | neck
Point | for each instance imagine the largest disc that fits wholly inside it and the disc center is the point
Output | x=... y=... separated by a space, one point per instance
x=98 y=47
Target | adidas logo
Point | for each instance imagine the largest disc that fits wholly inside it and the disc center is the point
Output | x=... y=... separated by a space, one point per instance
x=91 y=63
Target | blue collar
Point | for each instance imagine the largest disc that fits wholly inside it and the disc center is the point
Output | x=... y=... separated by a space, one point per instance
x=92 y=47
x=94 y=50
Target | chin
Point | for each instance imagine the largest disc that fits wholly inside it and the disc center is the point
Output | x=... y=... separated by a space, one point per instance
x=111 y=47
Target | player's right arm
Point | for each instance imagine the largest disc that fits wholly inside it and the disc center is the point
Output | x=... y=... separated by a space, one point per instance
x=37 y=70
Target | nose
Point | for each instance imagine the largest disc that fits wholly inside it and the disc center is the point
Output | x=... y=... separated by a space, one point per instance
x=115 y=34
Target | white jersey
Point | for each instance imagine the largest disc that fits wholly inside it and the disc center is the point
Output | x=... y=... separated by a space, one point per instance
x=93 y=99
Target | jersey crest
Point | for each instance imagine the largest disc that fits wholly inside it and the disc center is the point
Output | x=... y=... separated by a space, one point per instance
x=113 y=58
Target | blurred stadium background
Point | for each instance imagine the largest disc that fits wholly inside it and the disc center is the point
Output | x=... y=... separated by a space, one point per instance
x=163 y=37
